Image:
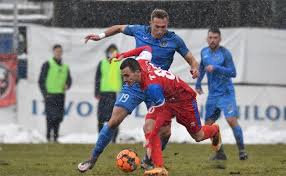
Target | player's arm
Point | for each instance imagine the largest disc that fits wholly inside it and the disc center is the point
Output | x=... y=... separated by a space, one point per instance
x=144 y=52
x=98 y=76
x=69 y=81
x=42 y=79
x=188 y=56
x=200 y=78
x=228 y=69
x=155 y=92
x=191 y=60
x=109 y=32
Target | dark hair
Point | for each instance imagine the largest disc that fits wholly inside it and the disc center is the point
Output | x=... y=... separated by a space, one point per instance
x=214 y=30
x=112 y=46
x=159 y=13
x=131 y=63
x=57 y=46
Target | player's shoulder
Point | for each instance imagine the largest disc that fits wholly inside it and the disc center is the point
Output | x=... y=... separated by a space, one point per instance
x=174 y=38
x=225 y=51
x=137 y=27
x=172 y=35
x=205 y=49
x=143 y=63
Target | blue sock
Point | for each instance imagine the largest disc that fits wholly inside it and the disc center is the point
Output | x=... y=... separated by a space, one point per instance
x=237 y=131
x=164 y=143
x=103 y=140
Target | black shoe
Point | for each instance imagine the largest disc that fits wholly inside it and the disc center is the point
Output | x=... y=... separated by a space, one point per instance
x=147 y=164
x=220 y=155
x=86 y=165
x=243 y=155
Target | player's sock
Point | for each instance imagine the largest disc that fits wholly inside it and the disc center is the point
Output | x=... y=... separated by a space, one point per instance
x=103 y=140
x=164 y=142
x=155 y=146
x=209 y=131
x=157 y=152
x=237 y=131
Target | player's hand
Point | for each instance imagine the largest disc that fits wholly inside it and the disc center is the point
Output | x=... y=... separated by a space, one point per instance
x=116 y=57
x=93 y=37
x=195 y=73
x=97 y=97
x=199 y=91
x=209 y=68
x=119 y=58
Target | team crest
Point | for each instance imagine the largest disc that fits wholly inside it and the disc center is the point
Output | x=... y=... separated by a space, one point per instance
x=163 y=43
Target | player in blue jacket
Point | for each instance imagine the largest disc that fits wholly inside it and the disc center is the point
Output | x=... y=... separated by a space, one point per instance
x=217 y=63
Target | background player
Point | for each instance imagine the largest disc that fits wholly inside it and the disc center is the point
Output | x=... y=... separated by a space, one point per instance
x=217 y=62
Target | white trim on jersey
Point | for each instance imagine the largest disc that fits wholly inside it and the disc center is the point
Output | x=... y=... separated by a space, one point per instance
x=145 y=55
x=152 y=109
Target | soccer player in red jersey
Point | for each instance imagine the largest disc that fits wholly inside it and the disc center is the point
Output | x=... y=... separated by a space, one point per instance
x=172 y=97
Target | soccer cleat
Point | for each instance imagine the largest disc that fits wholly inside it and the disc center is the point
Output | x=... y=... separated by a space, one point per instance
x=86 y=165
x=216 y=140
x=157 y=171
x=147 y=164
x=219 y=155
x=243 y=155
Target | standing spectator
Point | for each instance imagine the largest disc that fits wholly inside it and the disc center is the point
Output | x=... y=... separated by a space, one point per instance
x=54 y=80
x=108 y=82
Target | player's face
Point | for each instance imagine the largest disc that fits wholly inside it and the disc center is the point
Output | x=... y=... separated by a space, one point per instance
x=130 y=77
x=213 y=40
x=111 y=53
x=58 y=53
x=159 y=27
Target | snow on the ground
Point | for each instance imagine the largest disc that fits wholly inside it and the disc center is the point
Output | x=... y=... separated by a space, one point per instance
x=13 y=133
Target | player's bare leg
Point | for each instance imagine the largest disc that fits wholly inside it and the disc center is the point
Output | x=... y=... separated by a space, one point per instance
x=105 y=136
x=237 y=132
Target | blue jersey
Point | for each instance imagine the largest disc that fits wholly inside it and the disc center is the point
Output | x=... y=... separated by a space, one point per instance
x=219 y=81
x=163 y=49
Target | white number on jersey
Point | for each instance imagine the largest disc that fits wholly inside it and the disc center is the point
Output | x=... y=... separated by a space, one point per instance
x=124 y=98
x=164 y=73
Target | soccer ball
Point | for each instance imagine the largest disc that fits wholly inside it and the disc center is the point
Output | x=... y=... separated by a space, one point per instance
x=127 y=160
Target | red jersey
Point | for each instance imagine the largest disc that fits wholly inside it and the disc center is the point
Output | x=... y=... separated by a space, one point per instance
x=172 y=85
x=154 y=78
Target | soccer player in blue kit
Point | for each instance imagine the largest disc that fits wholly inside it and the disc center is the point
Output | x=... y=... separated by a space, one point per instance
x=217 y=63
x=164 y=44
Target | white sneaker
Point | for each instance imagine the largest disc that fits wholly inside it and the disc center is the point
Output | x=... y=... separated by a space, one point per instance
x=86 y=165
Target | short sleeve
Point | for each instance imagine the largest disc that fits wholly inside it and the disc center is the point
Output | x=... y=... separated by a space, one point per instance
x=182 y=48
x=131 y=29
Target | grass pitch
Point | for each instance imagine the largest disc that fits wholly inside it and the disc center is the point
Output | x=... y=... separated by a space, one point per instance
x=180 y=160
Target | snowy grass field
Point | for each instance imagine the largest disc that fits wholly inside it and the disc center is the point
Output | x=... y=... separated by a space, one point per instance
x=180 y=160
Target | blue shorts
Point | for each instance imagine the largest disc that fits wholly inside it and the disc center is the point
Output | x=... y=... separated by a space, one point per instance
x=130 y=97
x=225 y=103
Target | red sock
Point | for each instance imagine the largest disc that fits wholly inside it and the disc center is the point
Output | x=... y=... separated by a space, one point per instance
x=209 y=131
x=154 y=145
